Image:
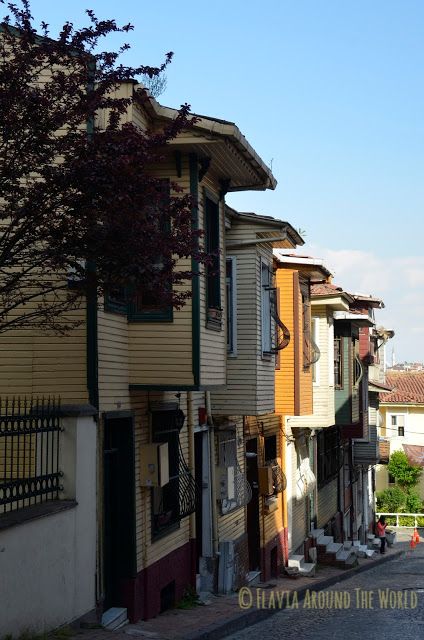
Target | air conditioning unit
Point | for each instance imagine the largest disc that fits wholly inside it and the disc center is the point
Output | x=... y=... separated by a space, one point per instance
x=225 y=486
x=154 y=465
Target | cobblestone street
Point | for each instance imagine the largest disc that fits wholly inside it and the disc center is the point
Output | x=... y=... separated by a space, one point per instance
x=386 y=618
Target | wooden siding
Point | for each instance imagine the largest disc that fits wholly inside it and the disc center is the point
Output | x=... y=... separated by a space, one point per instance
x=160 y=353
x=40 y=364
x=213 y=344
x=284 y=376
x=250 y=375
x=327 y=503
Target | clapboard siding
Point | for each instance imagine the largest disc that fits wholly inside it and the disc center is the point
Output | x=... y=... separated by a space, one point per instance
x=45 y=364
x=160 y=353
x=284 y=376
x=213 y=344
x=250 y=376
x=327 y=503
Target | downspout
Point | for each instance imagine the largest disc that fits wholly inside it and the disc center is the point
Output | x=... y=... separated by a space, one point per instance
x=191 y=464
x=212 y=472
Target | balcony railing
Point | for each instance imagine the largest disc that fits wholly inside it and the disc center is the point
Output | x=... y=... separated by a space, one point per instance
x=29 y=453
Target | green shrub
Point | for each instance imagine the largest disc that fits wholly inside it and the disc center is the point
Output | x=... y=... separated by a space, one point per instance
x=407 y=475
x=413 y=503
x=391 y=521
x=406 y=521
x=391 y=500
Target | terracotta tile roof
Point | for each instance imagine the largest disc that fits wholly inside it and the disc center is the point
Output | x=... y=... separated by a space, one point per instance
x=325 y=289
x=407 y=387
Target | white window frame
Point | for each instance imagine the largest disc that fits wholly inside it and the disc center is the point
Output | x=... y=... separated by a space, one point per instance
x=330 y=352
x=266 y=320
x=232 y=306
x=394 y=430
x=316 y=371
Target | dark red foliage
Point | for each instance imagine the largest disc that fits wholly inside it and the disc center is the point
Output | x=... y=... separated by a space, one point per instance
x=100 y=204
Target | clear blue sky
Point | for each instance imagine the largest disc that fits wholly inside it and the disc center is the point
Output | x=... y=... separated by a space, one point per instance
x=331 y=93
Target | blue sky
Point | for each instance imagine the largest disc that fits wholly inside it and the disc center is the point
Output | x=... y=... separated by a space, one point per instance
x=332 y=95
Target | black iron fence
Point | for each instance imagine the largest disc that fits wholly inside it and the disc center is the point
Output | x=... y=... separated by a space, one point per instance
x=29 y=453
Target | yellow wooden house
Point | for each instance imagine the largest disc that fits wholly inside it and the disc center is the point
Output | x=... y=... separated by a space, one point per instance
x=147 y=373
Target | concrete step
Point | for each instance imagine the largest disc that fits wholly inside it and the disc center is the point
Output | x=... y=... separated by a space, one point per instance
x=308 y=569
x=343 y=555
x=361 y=551
x=253 y=577
x=370 y=553
x=356 y=543
x=347 y=544
x=325 y=540
x=334 y=547
x=296 y=561
x=351 y=561
x=317 y=533
x=114 y=618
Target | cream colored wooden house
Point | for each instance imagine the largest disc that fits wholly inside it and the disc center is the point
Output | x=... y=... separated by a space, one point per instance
x=148 y=372
x=247 y=402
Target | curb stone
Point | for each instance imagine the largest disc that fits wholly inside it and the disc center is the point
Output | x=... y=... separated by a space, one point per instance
x=217 y=631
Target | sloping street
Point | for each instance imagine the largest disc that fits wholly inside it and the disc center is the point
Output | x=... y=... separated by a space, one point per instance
x=385 y=602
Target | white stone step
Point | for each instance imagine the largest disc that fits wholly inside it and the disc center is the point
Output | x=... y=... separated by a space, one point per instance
x=351 y=561
x=370 y=553
x=253 y=577
x=114 y=618
x=347 y=544
x=317 y=533
x=356 y=543
x=334 y=547
x=296 y=561
x=343 y=554
x=308 y=569
x=361 y=551
x=325 y=540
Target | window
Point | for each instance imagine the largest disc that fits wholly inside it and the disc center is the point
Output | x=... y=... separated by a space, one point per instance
x=358 y=369
x=338 y=362
x=230 y=282
x=315 y=365
x=311 y=352
x=145 y=304
x=177 y=499
x=329 y=455
x=213 y=279
x=233 y=489
x=398 y=425
x=266 y=285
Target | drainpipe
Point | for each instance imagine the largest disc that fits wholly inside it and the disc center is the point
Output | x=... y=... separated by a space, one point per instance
x=190 y=429
x=212 y=472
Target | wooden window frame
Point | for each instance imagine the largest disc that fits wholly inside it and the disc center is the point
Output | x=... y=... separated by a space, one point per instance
x=340 y=362
x=212 y=228
x=266 y=338
x=231 y=301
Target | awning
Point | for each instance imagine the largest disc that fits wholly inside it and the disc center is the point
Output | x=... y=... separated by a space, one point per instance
x=415 y=454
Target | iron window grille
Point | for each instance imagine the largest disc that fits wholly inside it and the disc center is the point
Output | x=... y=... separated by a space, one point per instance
x=29 y=453
x=234 y=492
x=330 y=455
x=279 y=480
x=177 y=499
x=311 y=352
x=282 y=333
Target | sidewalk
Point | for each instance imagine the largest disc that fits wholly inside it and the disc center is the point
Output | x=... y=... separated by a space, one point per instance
x=223 y=615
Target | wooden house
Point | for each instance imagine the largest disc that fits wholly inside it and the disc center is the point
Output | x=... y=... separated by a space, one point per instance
x=255 y=329
x=147 y=373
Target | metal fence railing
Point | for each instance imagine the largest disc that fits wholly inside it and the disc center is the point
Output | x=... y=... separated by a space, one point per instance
x=29 y=453
x=402 y=519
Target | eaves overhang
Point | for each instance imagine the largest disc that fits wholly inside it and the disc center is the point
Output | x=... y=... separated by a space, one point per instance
x=232 y=158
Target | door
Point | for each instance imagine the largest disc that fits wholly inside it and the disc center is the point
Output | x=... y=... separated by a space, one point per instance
x=119 y=555
x=253 y=532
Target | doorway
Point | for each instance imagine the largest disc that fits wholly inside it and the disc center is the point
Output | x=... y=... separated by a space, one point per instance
x=253 y=532
x=119 y=549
